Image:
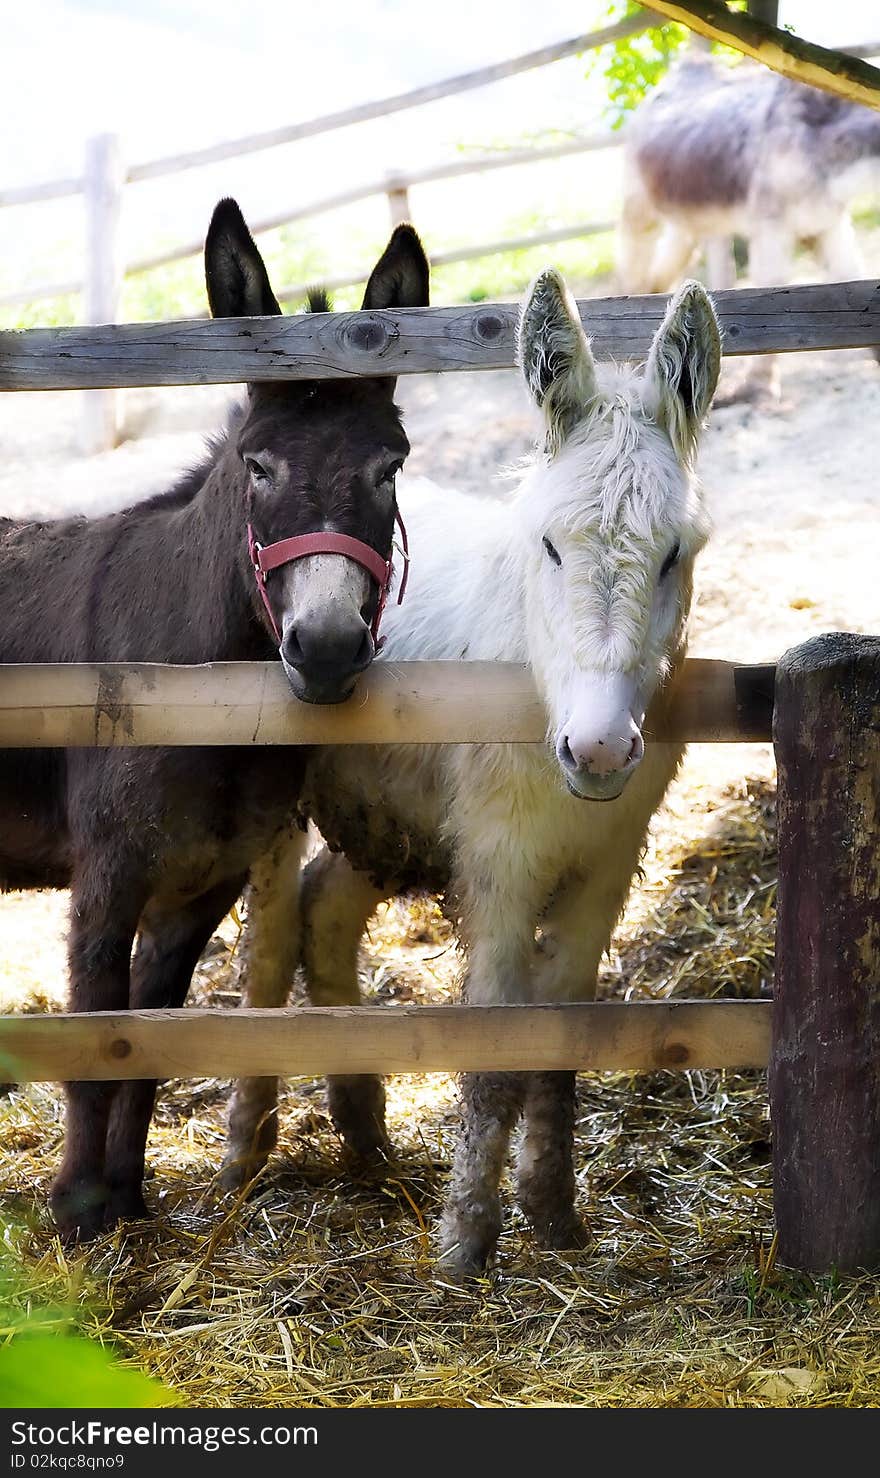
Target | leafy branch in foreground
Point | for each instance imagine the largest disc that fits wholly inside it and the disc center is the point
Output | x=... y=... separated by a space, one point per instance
x=635 y=64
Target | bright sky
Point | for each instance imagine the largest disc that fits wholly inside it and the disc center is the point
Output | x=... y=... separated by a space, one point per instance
x=169 y=75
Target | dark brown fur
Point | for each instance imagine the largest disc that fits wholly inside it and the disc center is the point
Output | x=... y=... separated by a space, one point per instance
x=158 y=842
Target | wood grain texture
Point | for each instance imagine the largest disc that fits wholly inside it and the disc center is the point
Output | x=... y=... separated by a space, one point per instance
x=45 y=705
x=825 y=1067
x=412 y=340
x=837 y=72
x=632 y=1037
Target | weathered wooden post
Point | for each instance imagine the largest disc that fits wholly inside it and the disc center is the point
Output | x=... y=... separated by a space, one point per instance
x=824 y=1073
x=398 y=199
x=104 y=181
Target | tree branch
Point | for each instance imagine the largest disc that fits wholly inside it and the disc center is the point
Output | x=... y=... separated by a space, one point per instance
x=833 y=71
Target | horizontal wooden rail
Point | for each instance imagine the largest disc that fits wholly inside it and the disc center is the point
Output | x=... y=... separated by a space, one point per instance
x=611 y=1035
x=40 y=292
x=223 y=351
x=47 y=190
x=244 y=703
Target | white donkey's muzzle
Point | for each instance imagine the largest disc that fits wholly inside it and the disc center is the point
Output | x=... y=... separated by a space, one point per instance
x=601 y=744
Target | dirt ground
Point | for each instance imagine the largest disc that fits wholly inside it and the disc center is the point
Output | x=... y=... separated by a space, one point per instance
x=795 y=501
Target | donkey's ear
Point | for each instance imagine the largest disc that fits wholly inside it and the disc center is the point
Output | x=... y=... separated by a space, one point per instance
x=554 y=355
x=236 y=276
x=400 y=277
x=684 y=364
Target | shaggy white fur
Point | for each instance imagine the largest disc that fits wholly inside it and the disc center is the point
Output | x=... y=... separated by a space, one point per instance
x=584 y=572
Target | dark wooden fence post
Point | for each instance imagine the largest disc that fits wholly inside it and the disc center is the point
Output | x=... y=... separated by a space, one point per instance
x=824 y=1073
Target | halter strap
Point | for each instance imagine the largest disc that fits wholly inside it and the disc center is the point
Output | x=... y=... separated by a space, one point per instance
x=271 y=556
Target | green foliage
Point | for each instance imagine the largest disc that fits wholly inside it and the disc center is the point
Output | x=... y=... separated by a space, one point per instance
x=48 y=1370
x=45 y=1363
x=635 y=64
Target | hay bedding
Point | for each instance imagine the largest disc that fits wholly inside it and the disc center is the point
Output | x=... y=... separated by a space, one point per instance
x=318 y=1290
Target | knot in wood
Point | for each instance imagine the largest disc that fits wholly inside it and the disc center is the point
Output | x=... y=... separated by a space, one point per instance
x=369 y=336
x=489 y=326
x=673 y=1054
x=120 y=1048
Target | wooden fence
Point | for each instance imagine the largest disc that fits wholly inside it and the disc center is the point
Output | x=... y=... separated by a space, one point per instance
x=841 y=315
x=820 y=1038
x=106 y=174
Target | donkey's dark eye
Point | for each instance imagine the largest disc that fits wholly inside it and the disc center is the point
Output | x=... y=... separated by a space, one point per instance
x=389 y=473
x=260 y=474
x=552 y=551
x=671 y=559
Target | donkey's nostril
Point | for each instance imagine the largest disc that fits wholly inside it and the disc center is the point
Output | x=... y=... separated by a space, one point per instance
x=321 y=648
x=291 y=650
x=364 y=654
x=563 y=750
x=636 y=749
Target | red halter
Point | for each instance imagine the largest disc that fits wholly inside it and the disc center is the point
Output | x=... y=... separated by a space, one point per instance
x=271 y=556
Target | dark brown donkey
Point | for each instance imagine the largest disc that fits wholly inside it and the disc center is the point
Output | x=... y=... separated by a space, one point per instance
x=158 y=843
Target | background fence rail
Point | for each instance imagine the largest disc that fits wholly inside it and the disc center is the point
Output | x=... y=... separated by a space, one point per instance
x=105 y=176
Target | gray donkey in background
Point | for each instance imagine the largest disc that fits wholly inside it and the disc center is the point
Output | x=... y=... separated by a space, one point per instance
x=716 y=151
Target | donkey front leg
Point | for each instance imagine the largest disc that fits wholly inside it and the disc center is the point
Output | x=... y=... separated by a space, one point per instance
x=842 y=258
x=337 y=902
x=545 y=1183
x=636 y=241
x=498 y=970
x=771 y=264
x=470 y=1223
x=575 y=930
x=103 y=918
x=168 y=948
x=270 y=954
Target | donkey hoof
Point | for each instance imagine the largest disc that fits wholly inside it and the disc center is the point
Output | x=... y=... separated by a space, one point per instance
x=464 y=1257
x=366 y=1154
x=80 y=1212
x=237 y=1172
x=462 y=1265
x=565 y=1233
x=126 y=1203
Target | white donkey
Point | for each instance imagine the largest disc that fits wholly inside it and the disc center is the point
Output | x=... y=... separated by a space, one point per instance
x=714 y=151
x=586 y=575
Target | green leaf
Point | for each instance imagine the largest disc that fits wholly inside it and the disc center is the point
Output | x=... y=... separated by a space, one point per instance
x=58 y=1370
x=635 y=64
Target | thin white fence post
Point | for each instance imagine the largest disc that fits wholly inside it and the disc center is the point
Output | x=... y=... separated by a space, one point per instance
x=103 y=184
x=398 y=199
